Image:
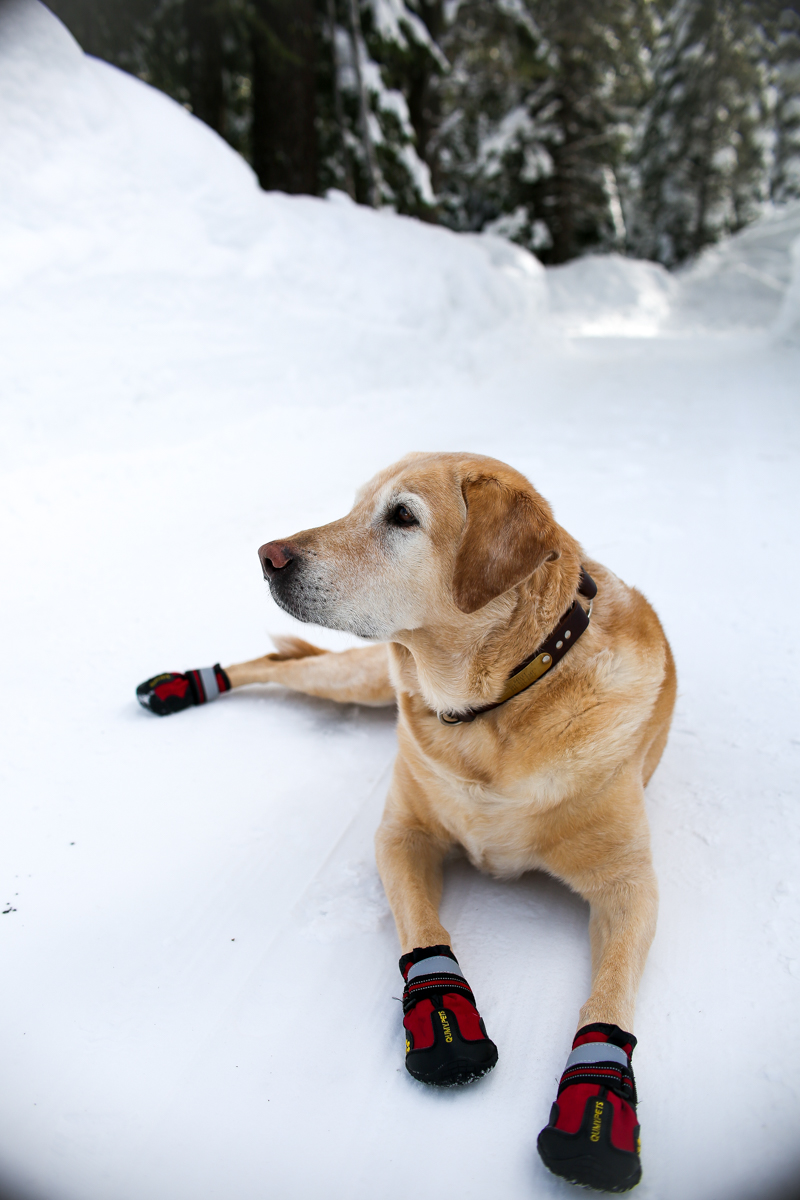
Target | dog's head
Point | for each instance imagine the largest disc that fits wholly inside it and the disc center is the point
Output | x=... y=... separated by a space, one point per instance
x=432 y=538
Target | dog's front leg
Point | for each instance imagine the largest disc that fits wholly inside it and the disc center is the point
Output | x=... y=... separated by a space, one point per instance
x=593 y=1134
x=410 y=852
x=446 y=1039
x=622 y=923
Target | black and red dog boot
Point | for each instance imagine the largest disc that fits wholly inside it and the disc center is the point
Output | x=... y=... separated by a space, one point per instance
x=593 y=1135
x=172 y=692
x=446 y=1040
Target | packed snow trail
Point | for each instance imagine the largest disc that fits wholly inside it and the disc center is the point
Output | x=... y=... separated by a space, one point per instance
x=199 y=962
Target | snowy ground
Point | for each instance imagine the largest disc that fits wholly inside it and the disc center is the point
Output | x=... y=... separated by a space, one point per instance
x=199 y=964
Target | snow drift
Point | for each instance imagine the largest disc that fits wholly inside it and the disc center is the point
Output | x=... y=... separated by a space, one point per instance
x=787 y=325
x=103 y=174
x=741 y=284
x=199 y=962
x=610 y=296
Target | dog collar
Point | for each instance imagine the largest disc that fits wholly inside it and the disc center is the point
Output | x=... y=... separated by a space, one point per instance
x=574 y=622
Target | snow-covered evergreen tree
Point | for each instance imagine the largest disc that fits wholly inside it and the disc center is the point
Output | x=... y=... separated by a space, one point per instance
x=702 y=157
x=566 y=125
x=785 y=181
x=539 y=104
x=380 y=55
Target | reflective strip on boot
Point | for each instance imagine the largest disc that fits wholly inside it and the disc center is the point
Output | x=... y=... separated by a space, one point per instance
x=210 y=685
x=595 y=1052
x=438 y=965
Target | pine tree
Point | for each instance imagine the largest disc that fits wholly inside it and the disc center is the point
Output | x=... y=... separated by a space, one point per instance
x=596 y=48
x=785 y=180
x=402 y=40
x=489 y=138
x=204 y=26
x=109 y=30
x=702 y=158
x=283 y=142
x=542 y=95
x=381 y=52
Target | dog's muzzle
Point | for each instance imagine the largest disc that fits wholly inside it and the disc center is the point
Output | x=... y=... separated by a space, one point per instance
x=282 y=567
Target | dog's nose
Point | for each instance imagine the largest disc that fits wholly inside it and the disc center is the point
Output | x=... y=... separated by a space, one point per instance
x=274 y=556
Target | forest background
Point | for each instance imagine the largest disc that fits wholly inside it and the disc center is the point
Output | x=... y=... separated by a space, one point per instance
x=648 y=127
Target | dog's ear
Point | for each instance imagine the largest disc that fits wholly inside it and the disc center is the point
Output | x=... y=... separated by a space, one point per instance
x=509 y=533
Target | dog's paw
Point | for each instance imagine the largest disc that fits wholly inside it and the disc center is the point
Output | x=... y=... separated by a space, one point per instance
x=447 y=1046
x=446 y=1040
x=593 y=1135
x=592 y=1139
x=165 y=694
x=172 y=691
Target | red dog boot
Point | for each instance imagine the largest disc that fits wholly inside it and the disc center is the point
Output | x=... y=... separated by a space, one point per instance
x=593 y=1135
x=171 y=692
x=446 y=1040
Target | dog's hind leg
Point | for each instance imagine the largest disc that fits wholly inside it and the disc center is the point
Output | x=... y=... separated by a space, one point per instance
x=358 y=676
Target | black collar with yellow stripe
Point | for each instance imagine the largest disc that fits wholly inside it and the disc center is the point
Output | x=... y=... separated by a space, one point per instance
x=574 y=622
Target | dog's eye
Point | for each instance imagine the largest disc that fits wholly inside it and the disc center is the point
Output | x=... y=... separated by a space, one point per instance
x=402 y=516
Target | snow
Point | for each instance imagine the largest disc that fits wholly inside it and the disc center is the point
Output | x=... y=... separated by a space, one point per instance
x=742 y=283
x=787 y=324
x=610 y=295
x=393 y=19
x=515 y=126
x=199 y=964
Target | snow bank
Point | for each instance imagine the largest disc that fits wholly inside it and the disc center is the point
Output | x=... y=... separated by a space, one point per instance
x=740 y=284
x=103 y=174
x=746 y=283
x=787 y=325
x=609 y=296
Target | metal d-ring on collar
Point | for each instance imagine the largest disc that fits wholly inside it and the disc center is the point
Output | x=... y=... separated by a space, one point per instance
x=574 y=622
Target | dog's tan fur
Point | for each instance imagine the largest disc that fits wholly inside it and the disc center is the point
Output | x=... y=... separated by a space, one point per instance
x=553 y=779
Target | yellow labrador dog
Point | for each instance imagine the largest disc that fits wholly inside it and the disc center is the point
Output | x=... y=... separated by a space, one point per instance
x=535 y=692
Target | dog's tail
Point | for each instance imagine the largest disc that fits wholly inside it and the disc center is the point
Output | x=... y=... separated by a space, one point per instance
x=292 y=647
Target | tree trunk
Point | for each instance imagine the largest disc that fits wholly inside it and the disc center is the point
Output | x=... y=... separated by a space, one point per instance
x=204 y=35
x=283 y=139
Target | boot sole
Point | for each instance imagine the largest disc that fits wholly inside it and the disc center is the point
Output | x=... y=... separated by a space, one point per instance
x=454 y=1074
